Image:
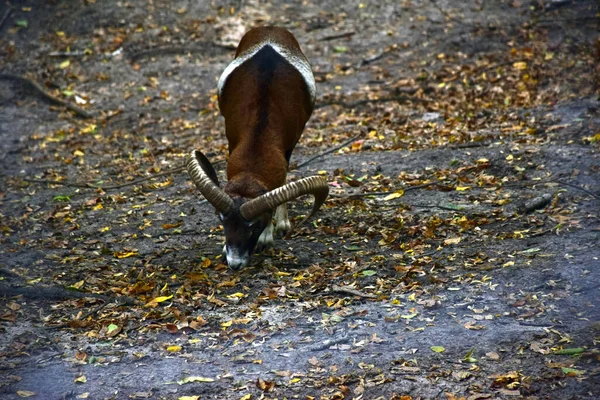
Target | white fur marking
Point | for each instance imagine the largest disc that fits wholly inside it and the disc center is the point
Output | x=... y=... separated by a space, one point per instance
x=266 y=237
x=236 y=260
x=297 y=60
x=282 y=221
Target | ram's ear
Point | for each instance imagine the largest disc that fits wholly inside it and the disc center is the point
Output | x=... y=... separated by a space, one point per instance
x=206 y=166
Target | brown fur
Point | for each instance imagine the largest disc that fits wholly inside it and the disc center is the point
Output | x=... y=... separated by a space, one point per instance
x=265 y=114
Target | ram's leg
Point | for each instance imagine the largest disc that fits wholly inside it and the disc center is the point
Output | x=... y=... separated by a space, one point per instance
x=266 y=238
x=282 y=222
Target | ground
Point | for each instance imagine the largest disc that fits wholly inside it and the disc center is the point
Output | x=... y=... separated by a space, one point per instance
x=456 y=257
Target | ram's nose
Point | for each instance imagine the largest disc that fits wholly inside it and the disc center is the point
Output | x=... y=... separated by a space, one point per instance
x=235 y=259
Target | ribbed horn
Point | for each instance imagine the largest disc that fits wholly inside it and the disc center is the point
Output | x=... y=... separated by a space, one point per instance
x=314 y=185
x=202 y=179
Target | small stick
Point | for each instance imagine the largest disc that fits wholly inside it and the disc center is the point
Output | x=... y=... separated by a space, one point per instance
x=533 y=183
x=406 y=189
x=537 y=202
x=62 y=183
x=372 y=59
x=328 y=343
x=111 y=187
x=346 y=143
x=351 y=291
x=66 y=54
x=199 y=48
x=367 y=101
x=578 y=188
x=338 y=35
x=5 y=16
x=79 y=111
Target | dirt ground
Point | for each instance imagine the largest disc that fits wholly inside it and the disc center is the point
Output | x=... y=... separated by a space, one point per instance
x=457 y=256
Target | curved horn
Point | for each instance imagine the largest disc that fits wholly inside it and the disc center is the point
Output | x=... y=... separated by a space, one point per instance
x=203 y=181
x=314 y=185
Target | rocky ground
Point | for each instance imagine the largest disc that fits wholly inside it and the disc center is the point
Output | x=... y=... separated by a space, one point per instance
x=457 y=256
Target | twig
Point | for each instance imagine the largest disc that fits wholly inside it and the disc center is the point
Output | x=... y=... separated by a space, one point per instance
x=436 y=206
x=67 y=54
x=328 y=343
x=5 y=16
x=351 y=291
x=405 y=189
x=445 y=14
x=470 y=145
x=338 y=35
x=537 y=203
x=199 y=48
x=372 y=59
x=111 y=187
x=533 y=183
x=577 y=187
x=77 y=110
x=62 y=183
x=367 y=101
x=346 y=143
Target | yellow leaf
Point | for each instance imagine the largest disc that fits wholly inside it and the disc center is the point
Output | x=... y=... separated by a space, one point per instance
x=98 y=207
x=508 y=264
x=206 y=263
x=105 y=229
x=189 y=379
x=78 y=153
x=174 y=348
x=397 y=194
x=25 y=393
x=78 y=285
x=80 y=379
x=125 y=254
x=237 y=295
x=226 y=324
x=462 y=188
x=160 y=299
x=521 y=65
x=437 y=349
x=593 y=139
x=295 y=380
x=64 y=64
x=454 y=240
x=409 y=316
x=246 y=397
x=91 y=128
x=170 y=226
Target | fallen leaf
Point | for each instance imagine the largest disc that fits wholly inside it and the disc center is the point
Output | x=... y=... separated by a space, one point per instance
x=190 y=379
